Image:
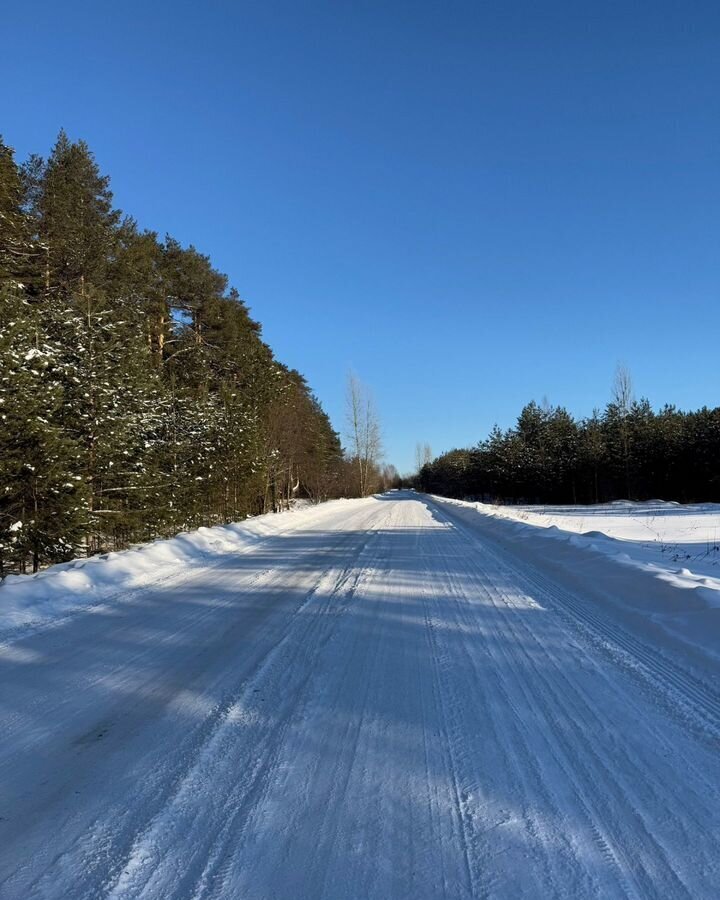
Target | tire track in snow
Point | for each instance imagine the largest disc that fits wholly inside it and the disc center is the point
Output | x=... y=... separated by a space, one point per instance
x=447 y=700
x=505 y=661
x=213 y=880
x=701 y=700
x=105 y=847
x=233 y=879
x=173 y=835
x=500 y=736
x=423 y=718
x=569 y=732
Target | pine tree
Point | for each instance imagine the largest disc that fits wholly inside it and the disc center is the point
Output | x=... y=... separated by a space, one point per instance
x=137 y=278
x=41 y=501
x=137 y=394
x=76 y=222
x=18 y=253
x=114 y=409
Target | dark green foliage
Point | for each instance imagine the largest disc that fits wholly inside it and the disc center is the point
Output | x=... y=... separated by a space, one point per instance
x=633 y=453
x=17 y=252
x=42 y=491
x=137 y=397
x=76 y=220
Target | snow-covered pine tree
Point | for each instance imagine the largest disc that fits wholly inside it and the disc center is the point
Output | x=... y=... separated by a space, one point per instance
x=137 y=394
x=113 y=397
x=41 y=507
x=42 y=502
x=18 y=252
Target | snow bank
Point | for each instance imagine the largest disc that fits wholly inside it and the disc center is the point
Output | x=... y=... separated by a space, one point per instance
x=658 y=561
x=680 y=544
x=661 y=527
x=29 y=601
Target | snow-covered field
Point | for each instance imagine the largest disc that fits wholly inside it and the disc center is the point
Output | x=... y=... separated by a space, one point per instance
x=399 y=697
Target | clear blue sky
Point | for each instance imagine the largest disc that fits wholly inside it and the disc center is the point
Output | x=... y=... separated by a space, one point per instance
x=470 y=204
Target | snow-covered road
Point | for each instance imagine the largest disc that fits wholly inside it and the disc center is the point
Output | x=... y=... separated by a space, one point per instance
x=380 y=701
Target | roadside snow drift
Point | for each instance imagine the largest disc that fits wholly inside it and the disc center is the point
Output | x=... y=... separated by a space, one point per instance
x=665 y=536
x=659 y=560
x=27 y=601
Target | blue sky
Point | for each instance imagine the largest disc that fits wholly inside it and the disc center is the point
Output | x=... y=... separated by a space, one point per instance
x=470 y=204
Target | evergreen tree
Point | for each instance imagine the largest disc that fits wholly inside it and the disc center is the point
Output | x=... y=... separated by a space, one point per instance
x=76 y=222
x=137 y=395
x=137 y=277
x=114 y=409
x=550 y=458
x=41 y=496
x=18 y=253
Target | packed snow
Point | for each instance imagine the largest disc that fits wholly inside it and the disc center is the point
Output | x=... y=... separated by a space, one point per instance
x=678 y=544
x=397 y=697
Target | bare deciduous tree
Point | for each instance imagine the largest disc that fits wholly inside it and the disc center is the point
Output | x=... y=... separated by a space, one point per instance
x=389 y=478
x=622 y=398
x=423 y=455
x=363 y=432
x=622 y=389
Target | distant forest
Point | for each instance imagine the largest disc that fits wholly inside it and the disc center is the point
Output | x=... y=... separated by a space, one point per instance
x=137 y=397
x=628 y=451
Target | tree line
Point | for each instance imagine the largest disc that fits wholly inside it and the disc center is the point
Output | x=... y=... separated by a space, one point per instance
x=137 y=396
x=626 y=451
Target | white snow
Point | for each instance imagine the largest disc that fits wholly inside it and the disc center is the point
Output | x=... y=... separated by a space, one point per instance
x=677 y=544
x=657 y=560
x=399 y=697
x=661 y=532
x=27 y=601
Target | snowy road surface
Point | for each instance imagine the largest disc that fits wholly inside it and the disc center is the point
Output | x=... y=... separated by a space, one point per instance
x=378 y=702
